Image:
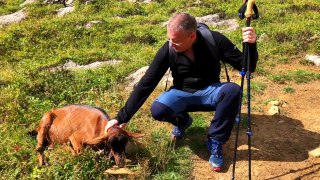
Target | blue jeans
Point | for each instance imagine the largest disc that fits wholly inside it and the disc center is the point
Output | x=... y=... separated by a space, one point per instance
x=173 y=106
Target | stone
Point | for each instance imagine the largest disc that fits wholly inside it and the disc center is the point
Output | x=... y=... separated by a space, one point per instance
x=63 y=11
x=120 y=173
x=313 y=58
x=27 y=2
x=135 y=77
x=13 y=18
x=315 y=152
x=273 y=110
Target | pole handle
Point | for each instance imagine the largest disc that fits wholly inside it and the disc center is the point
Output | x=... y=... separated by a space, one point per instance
x=249 y=10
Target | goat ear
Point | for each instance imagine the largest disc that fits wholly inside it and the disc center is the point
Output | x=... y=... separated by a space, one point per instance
x=97 y=140
x=134 y=134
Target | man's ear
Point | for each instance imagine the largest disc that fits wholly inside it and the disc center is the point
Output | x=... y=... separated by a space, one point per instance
x=193 y=35
x=134 y=134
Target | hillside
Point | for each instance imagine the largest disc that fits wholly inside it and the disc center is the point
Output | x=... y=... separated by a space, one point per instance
x=49 y=59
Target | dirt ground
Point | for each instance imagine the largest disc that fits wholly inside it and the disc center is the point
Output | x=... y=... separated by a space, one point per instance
x=280 y=143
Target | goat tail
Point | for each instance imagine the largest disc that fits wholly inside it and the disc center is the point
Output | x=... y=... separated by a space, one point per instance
x=43 y=129
x=97 y=140
x=46 y=122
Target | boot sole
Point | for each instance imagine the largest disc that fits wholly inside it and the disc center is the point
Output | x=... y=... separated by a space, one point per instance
x=216 y=169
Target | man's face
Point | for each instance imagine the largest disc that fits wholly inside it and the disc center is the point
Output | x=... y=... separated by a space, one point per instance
x=180 y=40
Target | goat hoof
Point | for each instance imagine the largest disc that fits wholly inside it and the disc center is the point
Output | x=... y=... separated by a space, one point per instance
x=173 y=138
x=42 y=165
x=50 y=148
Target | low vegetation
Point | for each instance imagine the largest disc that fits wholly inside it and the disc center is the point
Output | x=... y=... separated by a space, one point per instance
x=130 y=32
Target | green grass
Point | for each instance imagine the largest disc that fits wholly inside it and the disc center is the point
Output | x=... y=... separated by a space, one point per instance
x=132 y=33
x=298 y=76
x=289 y=89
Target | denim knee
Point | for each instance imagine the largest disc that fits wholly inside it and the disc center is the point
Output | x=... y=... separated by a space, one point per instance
x=160 y=111
x=233 y=87
x=230 y=91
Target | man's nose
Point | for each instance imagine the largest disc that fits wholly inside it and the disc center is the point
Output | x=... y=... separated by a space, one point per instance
x=173 y=45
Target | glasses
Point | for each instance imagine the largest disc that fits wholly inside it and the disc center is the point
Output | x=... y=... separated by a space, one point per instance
x=175 y=43
x=180 y=43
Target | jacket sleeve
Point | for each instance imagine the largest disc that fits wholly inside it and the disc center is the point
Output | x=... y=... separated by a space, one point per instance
x=230 y=54
x=146 y=85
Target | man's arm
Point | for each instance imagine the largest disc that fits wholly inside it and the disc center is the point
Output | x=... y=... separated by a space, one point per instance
x=230 y=54
x=146 y=85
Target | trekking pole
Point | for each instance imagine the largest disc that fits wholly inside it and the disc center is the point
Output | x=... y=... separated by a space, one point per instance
x=245 y=11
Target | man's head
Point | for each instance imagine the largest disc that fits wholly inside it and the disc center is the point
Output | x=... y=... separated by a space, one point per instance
x=181 y=31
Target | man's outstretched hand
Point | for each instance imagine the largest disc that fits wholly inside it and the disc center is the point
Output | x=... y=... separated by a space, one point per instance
x=113 y=122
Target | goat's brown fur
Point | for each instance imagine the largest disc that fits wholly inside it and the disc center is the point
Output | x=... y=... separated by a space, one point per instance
x=80 y=125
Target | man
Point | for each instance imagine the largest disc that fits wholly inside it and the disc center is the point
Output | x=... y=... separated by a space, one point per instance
x=196 y=83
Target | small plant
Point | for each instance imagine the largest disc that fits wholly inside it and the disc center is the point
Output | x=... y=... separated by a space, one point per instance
x=130 y=32
x=306 y=62
x=298 y=76
x=289 y=90
x=258 y=87
x=284 y=60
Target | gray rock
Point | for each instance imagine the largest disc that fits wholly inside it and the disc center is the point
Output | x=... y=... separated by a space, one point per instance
x=313 y=58
x=27 y=2
x=13 y=18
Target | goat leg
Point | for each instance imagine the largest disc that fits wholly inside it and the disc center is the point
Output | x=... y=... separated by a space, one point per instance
x=42 y=137
x=41 y=158
x=76 y=143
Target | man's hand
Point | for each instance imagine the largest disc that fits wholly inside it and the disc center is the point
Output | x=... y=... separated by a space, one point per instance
x=113 y=122
x=249 y=35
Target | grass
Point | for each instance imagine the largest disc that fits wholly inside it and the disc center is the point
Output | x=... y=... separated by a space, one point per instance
x=298 y=76
x=289 y=89
x=131 y=33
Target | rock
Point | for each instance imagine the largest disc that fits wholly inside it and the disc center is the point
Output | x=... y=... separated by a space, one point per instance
x=313 y=58
x=27 y=2
x=273 y=107
x=89 y=2
x=216 y=21
x=274 y=103
x=13 y=18
x=63 y=11
x=315 y=152
x=232 y=25
x=91 y=23
x=273 y=110
x=210 y=19
x=120 y=173
x=71 y=65
x=135 y=77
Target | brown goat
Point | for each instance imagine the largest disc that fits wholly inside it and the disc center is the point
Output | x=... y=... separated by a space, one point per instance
x=81 y=125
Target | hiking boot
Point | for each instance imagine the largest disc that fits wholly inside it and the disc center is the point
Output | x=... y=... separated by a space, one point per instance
x=216 y=159
x=178 y=132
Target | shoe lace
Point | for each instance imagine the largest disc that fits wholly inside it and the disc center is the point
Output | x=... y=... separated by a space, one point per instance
x=216 y=149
